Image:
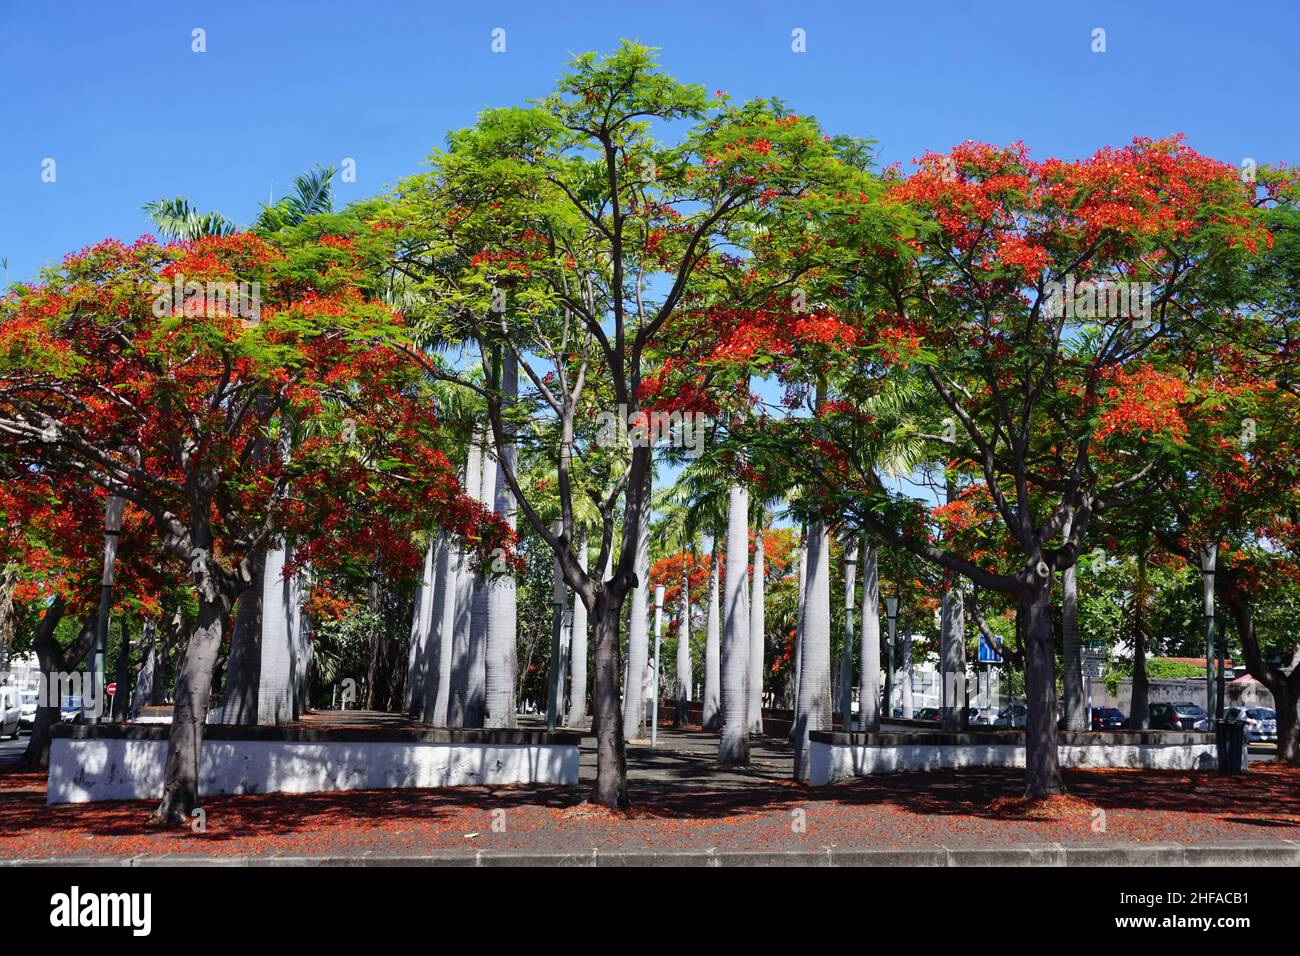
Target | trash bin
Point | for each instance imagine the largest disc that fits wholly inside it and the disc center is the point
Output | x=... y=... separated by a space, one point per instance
x=1230 y=741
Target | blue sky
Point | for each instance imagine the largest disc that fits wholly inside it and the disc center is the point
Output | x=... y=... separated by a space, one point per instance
x=114 y=94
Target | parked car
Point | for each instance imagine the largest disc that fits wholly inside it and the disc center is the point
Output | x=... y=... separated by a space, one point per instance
x=1180 y=715
x=1107 y=718
x=980 y=716
x=11 y=711
x=929 y=713
x=1014 y=716
x=27 y=718
x=1261 y=722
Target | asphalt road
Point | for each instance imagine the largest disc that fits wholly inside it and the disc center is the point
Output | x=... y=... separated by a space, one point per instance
x=11 y=750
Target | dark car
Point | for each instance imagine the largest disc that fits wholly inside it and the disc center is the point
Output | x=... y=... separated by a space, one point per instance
x=1107 y=718
x=1180 y=715
x=928 y=713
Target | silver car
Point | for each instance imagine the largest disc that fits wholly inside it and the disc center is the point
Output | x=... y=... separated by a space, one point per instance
x=1261 y=722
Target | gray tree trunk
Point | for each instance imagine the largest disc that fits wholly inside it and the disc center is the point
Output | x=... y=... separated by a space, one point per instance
x=445 y=582
x=682 y=687
x=869 y=654
x=953 y=650
x=499 y=680
x=276 y=693
x=733 y=746
x=712 y=702
x=578 y=649
x=417 y=658
x=476 y=664
x=1042 y=765
x=798 y=618
x=464 y=602
x=638 y=630
x=814 y=705
x=239 y=695
x=757 y=632
x=1073 y=700
x=846 y=655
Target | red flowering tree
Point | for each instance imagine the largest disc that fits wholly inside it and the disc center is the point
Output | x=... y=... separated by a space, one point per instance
x=1022 y=331
x=156 y=373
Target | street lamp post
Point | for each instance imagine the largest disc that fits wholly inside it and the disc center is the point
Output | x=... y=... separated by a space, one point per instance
x=891 y=611
x=654 y=706
x=112 y=531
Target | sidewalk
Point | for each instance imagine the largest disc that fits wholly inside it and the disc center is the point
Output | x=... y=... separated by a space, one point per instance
x=687 y=811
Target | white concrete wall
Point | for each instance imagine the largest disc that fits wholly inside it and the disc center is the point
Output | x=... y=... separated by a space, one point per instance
x=830 y=762
x=83 y=771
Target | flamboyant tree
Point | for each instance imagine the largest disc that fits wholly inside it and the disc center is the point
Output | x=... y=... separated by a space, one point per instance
x=155 y=373
x=1031 y=306
x=566 y=236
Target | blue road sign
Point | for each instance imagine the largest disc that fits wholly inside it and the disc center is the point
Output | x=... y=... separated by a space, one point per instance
x=988 y=653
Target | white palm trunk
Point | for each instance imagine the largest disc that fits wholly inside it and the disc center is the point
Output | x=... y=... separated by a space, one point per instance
x=499 y=670
x=846 y=648
x=476 y=658
x=438 y=698
x=638 y=631
x=683 y=685
x=733 y=747
x=417 y=660
x=276 y=693
x=798 y=617
x=1074 y=705
x=814 y=706
x=464 y=612
x=869 y=653
x=757 y=633
x=578 y=650
x=712 y=712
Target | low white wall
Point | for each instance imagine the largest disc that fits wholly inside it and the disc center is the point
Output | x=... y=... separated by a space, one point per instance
x=85 y=770
x=830 y=762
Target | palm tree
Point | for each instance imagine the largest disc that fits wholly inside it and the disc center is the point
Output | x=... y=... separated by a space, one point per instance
x=813 y=710
x=712 y=703
x=757 y=628
x=178 y=219
x=733 y=746
x=869 y=654
x=499 y=657
x=638 y=630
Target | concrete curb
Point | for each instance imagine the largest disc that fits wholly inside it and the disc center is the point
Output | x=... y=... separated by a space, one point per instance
x=1280 y=853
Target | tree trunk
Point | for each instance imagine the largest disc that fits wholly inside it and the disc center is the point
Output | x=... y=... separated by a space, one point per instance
x=845 y=685
x=1074 y=703
x=682 y=688
x=193 y=691
x=437 y=699
x=610 y=789
x=464 y=619
x=733 y=745
x=123 y=676
x=417 y=656
x=638 y=632
x=500 y=648
x=50 y=658
x=243 y=668
x=1042 y=767
x=1139 y=705
x=476 y=656
x=869 y=668
x=757 y=631
x=800 y=607
x=578 y=649
x=814 y=704
x=954 y=657
x=374 y=601
x=712 y=710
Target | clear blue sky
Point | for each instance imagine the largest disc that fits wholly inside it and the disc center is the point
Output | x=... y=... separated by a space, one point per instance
x=113 y=93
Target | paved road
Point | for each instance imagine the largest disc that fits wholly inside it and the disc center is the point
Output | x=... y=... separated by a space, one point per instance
x=11 y=750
